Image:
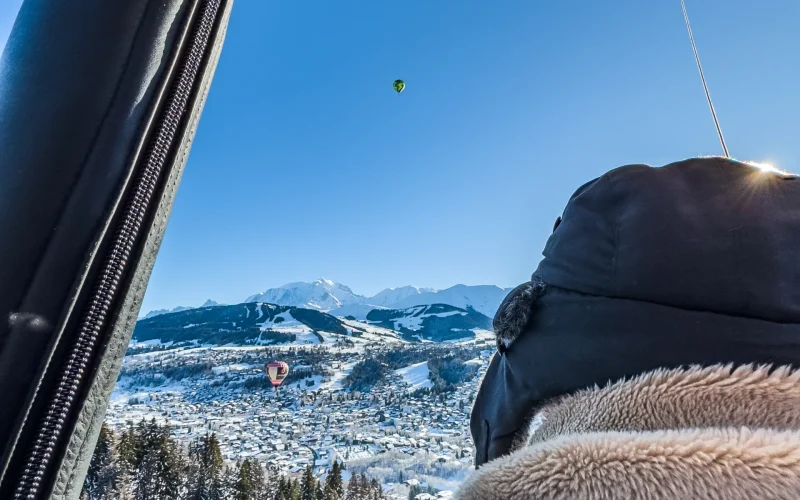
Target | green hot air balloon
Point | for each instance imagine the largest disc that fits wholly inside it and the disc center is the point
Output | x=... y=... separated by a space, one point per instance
x=399 y=85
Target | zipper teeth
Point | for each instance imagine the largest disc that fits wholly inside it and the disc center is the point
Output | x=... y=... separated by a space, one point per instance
x=107 y=286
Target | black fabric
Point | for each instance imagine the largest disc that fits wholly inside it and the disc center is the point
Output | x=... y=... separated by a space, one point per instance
x=709 y=234
x=76 y=108
x=697 y=262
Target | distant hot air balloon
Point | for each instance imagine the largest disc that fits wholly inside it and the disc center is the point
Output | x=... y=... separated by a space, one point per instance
x=277 y=371
x=399 y=85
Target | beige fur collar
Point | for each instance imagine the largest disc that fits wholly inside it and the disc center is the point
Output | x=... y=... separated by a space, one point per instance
x=710 y=433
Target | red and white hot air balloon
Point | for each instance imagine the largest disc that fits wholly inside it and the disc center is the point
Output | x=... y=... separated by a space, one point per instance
x=277 y=371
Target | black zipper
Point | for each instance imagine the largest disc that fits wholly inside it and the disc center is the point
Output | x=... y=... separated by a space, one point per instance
x=127 y=234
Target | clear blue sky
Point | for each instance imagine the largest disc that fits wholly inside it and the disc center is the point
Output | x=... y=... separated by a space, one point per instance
x=306 y=164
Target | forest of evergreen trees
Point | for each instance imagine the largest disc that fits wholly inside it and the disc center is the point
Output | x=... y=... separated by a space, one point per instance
x=144 y=462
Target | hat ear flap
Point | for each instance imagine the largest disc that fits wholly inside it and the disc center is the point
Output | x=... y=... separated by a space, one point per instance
x=516 y=311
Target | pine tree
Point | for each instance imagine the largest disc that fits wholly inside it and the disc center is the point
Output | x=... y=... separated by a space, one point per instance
x=125 y=487
x=363 y=491
x=308 y=485
x=295 y=491
x=101 y=479
x=376 y=492
x=334 y=487
x=319 y=494
x=258 y=479
x=280 y=491
x=127 y=450
x=206 y=469
x=243 y=488
x=248 y=483
x=160 y=474
x=353 y=488
x=329 y=493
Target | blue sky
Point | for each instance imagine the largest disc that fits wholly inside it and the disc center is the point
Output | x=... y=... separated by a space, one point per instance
x=306 y=164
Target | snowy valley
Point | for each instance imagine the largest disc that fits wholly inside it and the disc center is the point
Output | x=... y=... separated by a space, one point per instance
x=385 y=389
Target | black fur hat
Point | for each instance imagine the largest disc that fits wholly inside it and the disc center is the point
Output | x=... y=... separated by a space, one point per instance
x=697 y=262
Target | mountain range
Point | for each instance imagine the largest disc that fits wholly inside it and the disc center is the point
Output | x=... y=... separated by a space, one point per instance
x=339 y=300
x=157 y=312
x=258 y=323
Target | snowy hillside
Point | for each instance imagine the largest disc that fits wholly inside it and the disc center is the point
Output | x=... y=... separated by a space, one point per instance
x=241 y=324
x=258 y=324
x=417 y=376
x=436 y=322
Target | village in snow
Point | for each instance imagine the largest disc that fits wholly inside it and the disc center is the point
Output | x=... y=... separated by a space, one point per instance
x=397 y=410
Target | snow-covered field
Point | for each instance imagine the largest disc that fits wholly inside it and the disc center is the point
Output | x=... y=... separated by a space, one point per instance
x=417 y=376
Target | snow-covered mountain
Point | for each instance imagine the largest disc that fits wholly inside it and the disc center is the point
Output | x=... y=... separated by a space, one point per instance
x=483 y=298
x=240 y=324
x=391 y=296
x=322 y=295
x=256 y=323
x=437 y=322
x=159 y=312
x=340 y=300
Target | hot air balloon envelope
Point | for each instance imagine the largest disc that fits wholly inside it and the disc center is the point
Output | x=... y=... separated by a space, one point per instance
x=277 y=371
x=399 y=85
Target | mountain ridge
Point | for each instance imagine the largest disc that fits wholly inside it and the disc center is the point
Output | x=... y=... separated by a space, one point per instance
x=257 y=323
x=329 y=296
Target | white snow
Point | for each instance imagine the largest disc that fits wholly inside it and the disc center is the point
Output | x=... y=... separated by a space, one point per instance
x=483 y=298
x=235 y=367
x=483 y=334
x=370 y=331
x=335 y=384
x=287 y=324
x=148 y=343
x=358 y=311
x=340 y=300
x=392 y=296
x=414 y=317
x=322 y=295
x=417 y=376
x=260 y=312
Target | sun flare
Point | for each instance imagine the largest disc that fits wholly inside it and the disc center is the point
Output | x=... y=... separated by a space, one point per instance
x=769 y=168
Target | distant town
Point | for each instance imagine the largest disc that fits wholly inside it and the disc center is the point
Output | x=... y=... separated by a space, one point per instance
x=396 y=410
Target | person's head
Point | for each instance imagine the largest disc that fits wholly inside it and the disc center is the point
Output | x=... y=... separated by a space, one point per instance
x=696 y=262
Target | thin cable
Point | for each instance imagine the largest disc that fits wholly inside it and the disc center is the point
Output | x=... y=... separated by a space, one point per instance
x=703 y=79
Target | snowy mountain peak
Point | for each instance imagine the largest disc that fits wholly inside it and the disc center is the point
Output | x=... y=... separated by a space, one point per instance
x=158 y=312
x=483 y=298
x=392 y=296
x=329 y=296
x=322 y=295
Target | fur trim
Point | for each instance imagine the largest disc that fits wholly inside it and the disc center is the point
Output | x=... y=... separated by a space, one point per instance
x=516 y=310
x=702 y=433
x=718 y=396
